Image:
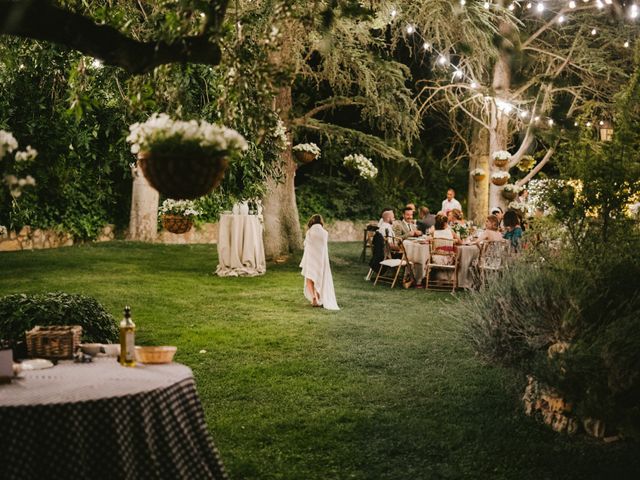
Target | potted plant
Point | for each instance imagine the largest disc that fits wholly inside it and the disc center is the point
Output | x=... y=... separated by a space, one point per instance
x=478 y=174
x=361 y=165
x=501 y=158
x=180 y=159
x=306 y=152
x=500 y=178
x=511 y=191
x=178 y=215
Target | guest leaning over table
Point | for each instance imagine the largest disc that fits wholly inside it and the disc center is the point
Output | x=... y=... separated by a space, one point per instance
x=316 y=270
x=512 y=229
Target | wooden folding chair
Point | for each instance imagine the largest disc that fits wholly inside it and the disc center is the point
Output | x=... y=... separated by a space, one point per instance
x=444 y=260
x=367 y=241
x=395 y=261
x=494 y=257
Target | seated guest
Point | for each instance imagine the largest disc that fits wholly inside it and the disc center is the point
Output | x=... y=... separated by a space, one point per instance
x=426 y=221
x=491 y=233
x=405 y=228
x=456 y=216
x=513 y=231
x=442 y=230
x=385 y=225
x=412 y=206
x=497 y=211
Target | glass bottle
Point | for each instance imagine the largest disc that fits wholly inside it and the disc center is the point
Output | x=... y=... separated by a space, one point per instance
x=127 y=340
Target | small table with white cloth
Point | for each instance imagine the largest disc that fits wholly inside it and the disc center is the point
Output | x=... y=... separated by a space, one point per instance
x=103 y=420
x=418 y=254
x=240 y=246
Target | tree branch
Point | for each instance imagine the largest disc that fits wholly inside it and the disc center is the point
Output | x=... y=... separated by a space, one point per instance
x=538 y=167
x=329 y=104
x=40 y=20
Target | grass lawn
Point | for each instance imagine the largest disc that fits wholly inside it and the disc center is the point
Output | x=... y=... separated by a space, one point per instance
x=386 y=388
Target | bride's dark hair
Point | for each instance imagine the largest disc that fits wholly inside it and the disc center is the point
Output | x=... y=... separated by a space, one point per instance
x=317 y=218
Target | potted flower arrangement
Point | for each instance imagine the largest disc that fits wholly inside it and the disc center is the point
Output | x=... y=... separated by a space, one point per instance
x=500 y=178
x=511 y=191
x=178 y=215
x=521 y=207
x=478 y=174
x=362 y=165
x=306 y=152
x=501 y=158
x=180 y=159
x=461 y=230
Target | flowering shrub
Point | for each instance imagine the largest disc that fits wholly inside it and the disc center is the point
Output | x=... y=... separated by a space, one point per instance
x=280 y=135
x=184 y=208
x=478 y=172
x=163 y=134
x=362 y=165
x=501 y=155
x=500 y=175
x=8 y=144
x=308 y=147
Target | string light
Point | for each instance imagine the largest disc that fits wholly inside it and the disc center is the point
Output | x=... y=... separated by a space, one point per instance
x=524 y=114
x=601 y=123
x=561 y=19
x=540 y=7
x=529 y=5
x=594 y=31
x=588 y=124
x=575 y=124
x=626 y=44
x=599 y=4
x=512 y=7
x=426 y=46
x=463 y=3
x=442 y=60
x=572 y=4
x=458 y=74
x=474 y=85
x=394 y=12
x=550 y=122
x=410 y=29
x=634 y=11
x=487 y=5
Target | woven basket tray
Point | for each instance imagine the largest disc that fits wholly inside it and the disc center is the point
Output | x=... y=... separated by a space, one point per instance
x=57 y=342
x=304 y=157
x=176 y=223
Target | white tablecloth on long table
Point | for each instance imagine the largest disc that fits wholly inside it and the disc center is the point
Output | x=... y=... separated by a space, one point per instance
x=240 y=247
x=418 y=254
x=467 y=255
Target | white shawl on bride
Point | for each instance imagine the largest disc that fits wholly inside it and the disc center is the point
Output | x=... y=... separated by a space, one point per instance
x=315 y=265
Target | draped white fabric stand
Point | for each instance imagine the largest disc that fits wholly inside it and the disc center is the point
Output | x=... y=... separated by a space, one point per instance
x=240 y=247
x=315 y=265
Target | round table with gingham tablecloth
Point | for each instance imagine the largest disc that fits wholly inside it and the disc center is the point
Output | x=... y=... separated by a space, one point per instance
x=102 y=420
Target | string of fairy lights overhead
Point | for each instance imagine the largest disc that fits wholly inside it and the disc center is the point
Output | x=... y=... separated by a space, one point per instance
x=465 y=80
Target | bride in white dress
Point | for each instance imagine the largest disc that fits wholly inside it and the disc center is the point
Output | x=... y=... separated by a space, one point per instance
x=318 y=283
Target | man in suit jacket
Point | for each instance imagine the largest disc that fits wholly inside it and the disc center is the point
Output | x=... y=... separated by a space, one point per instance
x=405 y=228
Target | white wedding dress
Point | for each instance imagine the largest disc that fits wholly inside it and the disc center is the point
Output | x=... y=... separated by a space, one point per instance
x=315 y=265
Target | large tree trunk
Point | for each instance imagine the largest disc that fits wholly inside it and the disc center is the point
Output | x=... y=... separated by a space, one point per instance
x=281 y=221
x=478 y=195
x=143 y=220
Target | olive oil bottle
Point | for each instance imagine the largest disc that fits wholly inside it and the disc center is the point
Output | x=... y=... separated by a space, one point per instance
x=127 y=340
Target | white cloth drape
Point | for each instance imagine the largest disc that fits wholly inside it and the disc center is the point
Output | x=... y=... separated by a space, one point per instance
x=240 y=247
x=315 y=266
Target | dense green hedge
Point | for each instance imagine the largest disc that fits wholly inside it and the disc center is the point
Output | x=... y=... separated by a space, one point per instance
x=21 y=312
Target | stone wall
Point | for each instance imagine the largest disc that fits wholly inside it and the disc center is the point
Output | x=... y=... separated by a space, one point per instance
x=36 y=239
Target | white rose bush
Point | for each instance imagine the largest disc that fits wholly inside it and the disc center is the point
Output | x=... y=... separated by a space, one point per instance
x=362 y=165
x=9 y=144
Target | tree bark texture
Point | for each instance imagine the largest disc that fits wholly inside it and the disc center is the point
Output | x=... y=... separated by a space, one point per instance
x=40 y=20
x=478 y=194
x=283 y=234
x=143 y=220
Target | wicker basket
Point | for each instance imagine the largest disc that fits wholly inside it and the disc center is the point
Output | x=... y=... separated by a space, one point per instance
x=509 y=195
x=500 y=162
x=477 y=177
x=176 y=223
x=304 y=157
x=155 y=354
x=182 y=178
x=57 y=342
x=499 y=181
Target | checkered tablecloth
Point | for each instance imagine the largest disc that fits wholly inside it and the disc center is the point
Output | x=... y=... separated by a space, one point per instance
x=154 y=432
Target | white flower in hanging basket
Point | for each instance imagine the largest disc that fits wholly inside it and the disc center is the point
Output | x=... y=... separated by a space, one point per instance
x=511 y=188
x=478 y=173
x=185 y=208
x=362 y=165
x=500 y=175
x=311 y=148
x=519 y=206
x=501 y=155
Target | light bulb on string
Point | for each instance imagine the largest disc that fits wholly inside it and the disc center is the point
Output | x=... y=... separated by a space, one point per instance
x=608 y=2
x=550 y=122
x=626 y=44
x=561 y=19
x=487 y=5
x=512 y=7
x=588 y=124
x=426 y=46
x=463 y=3
x=524 y=114
x=457 y=74
x=633 y=13
x=575 y=124
x=442 y=60
x=594 y=31
x=540 y=7
x=410 y=29
x=599 y=4
x=529 y=5
x=474 y=85
x=572 y=4
x=536 y=119
x=394 y=12
x=601 y=122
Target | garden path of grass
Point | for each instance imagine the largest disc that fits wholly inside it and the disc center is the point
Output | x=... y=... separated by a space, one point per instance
x=387 y=388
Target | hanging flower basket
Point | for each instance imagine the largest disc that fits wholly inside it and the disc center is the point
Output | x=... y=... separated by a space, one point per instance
x=182 y=178
x=176 y=223
x=478 y=174
x=501 y=158
x=500 y=178
x=183 y=159
x=510 y=192
x=304 y=157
